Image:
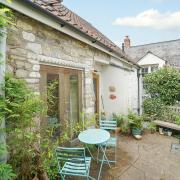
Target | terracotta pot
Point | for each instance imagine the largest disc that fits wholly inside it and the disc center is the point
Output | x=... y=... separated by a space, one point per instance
x=36 y=178
x=118 y=130
x=43 y=176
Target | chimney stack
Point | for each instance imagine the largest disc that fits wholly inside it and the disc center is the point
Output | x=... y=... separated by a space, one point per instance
x=127 y=42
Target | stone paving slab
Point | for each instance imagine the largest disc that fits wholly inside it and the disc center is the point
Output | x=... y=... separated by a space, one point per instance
x=147 y=159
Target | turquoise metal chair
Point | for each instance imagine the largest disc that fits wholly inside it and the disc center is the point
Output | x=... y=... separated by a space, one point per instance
x=73 y=162
x=110 y=125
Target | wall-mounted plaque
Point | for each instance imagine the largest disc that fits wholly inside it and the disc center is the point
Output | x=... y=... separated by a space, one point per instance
x=112 y=89
x=112 y=96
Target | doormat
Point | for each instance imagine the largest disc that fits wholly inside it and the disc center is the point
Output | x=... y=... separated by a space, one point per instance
x=175 y=148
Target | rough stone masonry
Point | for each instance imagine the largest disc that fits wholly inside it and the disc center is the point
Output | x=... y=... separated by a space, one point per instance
x=30 y=43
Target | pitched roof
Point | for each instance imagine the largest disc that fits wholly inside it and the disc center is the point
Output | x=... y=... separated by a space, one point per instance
x=149 y=52
x=59 y=10
x=166 y=50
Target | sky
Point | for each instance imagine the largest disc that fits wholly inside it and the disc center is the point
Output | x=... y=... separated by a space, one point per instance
x=145 y=21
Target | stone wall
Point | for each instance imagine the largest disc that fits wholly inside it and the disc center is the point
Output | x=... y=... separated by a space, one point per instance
x=30 y=43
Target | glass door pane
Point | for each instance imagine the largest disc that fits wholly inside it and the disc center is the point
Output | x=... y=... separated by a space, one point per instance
x=63 y=88
x=74 y=105
x=53 y=98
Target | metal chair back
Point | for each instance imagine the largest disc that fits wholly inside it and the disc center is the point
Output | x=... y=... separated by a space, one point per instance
x=108 y=124
x=73 y=159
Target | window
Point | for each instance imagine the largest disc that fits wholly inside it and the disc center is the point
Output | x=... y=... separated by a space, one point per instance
x=144 y=71
x=53 y=98
x=154 y=68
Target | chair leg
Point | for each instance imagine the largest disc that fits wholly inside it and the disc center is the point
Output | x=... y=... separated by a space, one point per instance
x=115 y=155
x=89 y=177
x=98 y=154
x=63 y=177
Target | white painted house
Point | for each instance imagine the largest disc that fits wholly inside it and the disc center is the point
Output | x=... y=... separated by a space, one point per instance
x=151 y=61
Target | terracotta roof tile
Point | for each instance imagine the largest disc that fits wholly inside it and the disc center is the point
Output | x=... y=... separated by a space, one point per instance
x=62 y=12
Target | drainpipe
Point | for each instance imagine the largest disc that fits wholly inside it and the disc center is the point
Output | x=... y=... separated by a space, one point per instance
x=138 y=78
x=3 y=157
x=84 y=94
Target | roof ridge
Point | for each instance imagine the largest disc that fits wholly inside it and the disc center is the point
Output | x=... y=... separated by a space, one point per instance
x=160 y=42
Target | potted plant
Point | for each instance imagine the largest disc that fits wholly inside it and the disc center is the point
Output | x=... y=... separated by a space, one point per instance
x=135 y=123
x=122 y=123
x=151 y=127
x=118 y=118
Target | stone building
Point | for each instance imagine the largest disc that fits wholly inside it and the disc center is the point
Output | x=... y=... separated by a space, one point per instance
x=49 y=42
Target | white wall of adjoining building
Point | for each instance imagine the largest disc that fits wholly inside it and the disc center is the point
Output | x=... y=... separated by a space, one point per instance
x=124 y=83
x=151 y=59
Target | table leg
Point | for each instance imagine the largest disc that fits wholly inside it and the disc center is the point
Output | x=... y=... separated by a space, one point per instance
x=90 y=152
x=104 y=156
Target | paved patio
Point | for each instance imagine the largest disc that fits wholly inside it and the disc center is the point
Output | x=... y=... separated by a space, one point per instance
x=147 y=159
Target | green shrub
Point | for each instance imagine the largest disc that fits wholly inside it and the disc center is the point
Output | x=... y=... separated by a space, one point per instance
x=152 y=127
x=6 y=172
x=163 y=88
x=177 y=120
x=154 y=107
x=30 y=144
x=164 y=84
x=119 y=118
x=122 y=122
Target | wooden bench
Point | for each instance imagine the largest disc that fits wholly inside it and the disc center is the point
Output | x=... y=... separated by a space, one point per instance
x=167 y=125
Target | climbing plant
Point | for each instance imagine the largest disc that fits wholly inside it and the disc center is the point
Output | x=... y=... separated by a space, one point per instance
x=6 y=171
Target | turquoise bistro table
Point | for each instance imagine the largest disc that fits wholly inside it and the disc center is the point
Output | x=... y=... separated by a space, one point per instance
x=95 y=137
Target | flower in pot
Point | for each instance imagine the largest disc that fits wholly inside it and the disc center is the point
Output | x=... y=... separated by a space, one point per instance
x=135 y=123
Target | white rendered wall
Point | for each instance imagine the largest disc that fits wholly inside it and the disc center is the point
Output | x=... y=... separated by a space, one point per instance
x=151 y=59
x=125 y=83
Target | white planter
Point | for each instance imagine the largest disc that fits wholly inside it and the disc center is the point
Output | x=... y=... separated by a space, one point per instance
x=169 y=133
